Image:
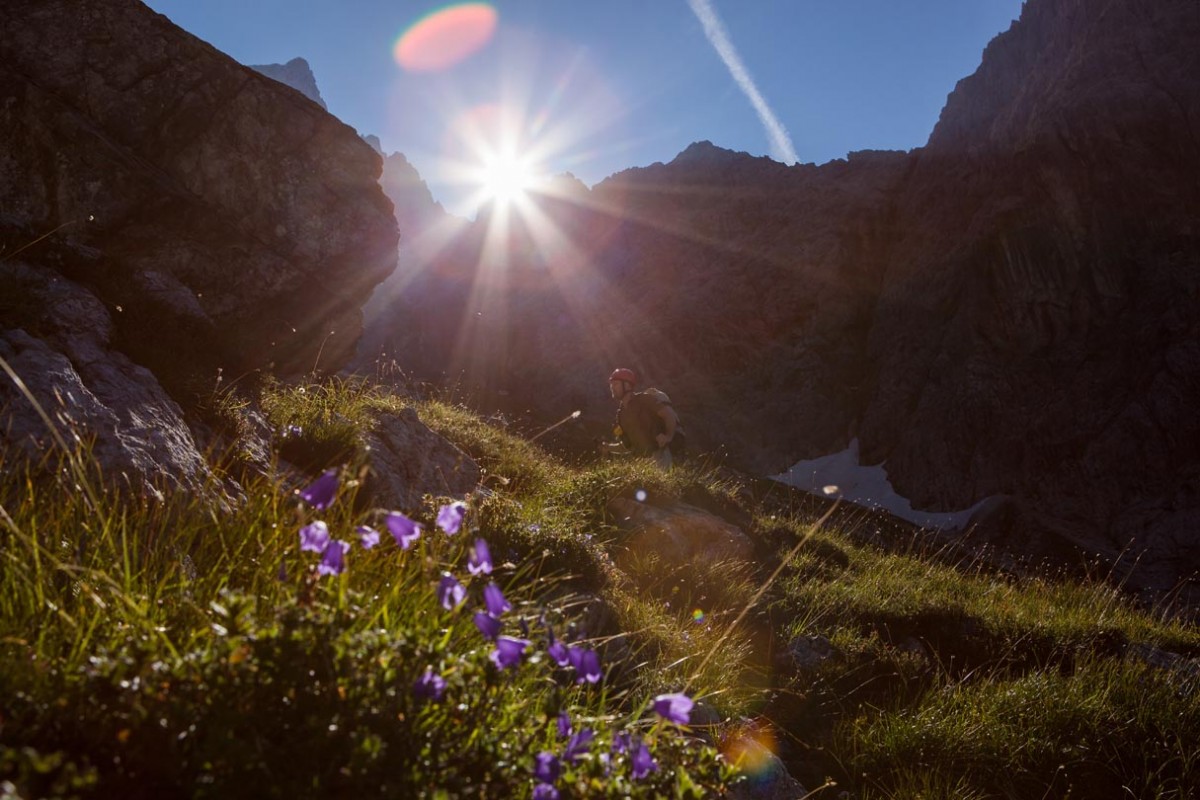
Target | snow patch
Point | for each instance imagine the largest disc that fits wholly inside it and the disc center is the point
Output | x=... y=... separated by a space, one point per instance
x=841 y=475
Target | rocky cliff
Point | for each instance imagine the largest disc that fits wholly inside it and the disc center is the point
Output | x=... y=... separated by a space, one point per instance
x=1007 y=312
x=1037 y=333
x=168 y=214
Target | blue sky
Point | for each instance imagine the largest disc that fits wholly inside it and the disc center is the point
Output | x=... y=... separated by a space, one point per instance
x=595 y=87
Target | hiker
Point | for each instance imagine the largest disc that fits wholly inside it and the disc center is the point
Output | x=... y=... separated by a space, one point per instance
x=646 y=421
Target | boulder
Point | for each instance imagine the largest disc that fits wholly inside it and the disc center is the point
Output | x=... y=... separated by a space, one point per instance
x=170 y=217
x=407 y=461
x=766 y=779
x=98 y=400
x=809 y=653
x=1185 y=670
x=676 y=533
x=237 y=223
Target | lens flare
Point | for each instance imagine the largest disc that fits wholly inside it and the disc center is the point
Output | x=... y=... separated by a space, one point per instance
x=697 y=615
x=750 y=749
x=443 y=38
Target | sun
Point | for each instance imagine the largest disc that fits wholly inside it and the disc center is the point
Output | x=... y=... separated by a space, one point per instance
x=506 y=178
x=501 y=159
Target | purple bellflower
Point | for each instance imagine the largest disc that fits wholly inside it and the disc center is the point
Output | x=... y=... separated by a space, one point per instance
x=586 y=663
x=579 y=744
x=546 y=767
x=480 y=562
x=509 y=651
x=545 y=791
x=450 y=592
x=641 y=762
x=450 y=517
x=563 y=721
x=622 y=742
x=333 y=562
x=430 y=685
x=314 y=537
x=488 y=625
x=403 y=529
x=557 y=650
x=493 y=598
x=320 y=493
x=675 y=708
x=369 y=537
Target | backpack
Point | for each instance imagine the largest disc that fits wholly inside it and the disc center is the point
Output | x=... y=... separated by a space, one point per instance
x=678 y=445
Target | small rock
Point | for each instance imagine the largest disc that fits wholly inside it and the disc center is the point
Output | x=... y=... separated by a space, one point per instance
x=810 y=652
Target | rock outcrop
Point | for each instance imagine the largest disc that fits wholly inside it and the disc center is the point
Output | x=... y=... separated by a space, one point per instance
x=95 y=398
x=168 y=213
x=1008 y=312
x=408 y=460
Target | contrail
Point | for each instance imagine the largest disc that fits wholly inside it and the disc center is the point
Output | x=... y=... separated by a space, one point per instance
x=714 y=29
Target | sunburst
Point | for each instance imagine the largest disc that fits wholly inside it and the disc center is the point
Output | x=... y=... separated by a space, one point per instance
x=505 y=178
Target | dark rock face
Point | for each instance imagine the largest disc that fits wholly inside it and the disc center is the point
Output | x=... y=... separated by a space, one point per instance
x=254 y=210
x=745 y=289
x=168 y=213
x=1008 y=312
x=1037 y=332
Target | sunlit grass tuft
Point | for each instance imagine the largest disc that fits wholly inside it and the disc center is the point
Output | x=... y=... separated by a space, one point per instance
x=323 y=424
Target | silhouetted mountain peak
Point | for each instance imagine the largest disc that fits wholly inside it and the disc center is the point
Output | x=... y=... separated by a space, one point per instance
x=705 y=152
x=296 y=74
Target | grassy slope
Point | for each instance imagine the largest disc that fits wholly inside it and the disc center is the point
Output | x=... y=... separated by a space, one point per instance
x=182 y=650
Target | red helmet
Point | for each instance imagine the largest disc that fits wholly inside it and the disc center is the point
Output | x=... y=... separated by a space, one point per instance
x=623 y=374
